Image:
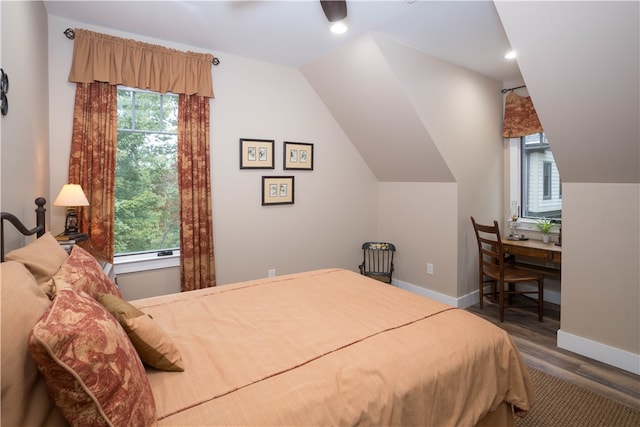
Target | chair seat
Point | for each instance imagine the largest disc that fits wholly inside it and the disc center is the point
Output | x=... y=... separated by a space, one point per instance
x=512 y=275
x=383 y=277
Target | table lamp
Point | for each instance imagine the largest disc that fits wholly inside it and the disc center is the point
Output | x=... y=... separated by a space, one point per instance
x=70 y=197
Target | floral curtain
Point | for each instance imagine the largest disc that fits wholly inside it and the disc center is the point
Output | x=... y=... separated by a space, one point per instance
x=520 y=117
x=92 y=163
x=100 y=63
x=197 y=268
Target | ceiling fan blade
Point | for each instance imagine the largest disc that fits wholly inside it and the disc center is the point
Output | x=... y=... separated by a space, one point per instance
x=334 y=10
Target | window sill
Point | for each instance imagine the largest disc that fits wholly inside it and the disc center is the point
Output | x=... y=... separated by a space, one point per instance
x=144 y=262
x=528 y=224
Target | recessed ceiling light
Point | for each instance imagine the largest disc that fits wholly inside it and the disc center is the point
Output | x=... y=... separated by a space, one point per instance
x=511 y=54
x=339 y=27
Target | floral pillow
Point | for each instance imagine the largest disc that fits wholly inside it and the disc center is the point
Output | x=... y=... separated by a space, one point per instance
x=89 y=365
x=82 y=271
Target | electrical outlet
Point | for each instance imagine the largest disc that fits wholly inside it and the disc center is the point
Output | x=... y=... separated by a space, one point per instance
x=272 y=272
x=429 y=269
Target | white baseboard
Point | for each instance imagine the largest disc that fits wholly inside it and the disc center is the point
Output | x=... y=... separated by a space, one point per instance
x=610 y=355
x=463 y=301
x=446 y=299
x=459 y=302
x=592 y=349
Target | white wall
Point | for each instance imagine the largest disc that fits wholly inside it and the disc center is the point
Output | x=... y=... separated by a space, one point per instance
x=24 y=140
x=421 y=123
x=462 y=112
x=335 y=205
x=602 y=272
x=420 y=218
x=144 y=284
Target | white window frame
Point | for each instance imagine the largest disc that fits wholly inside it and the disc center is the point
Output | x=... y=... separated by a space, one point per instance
x=145 y=261
x=515 y=187
x=515 y=184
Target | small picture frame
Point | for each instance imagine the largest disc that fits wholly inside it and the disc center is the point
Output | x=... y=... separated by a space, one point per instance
x=298 y=156
x=256 y=153
x=277 y=190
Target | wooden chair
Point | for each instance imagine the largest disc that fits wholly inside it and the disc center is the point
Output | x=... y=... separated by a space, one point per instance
x=498 y=270
x=377 y=260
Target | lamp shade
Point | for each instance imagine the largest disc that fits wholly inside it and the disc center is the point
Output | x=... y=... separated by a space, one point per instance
x=71 y=195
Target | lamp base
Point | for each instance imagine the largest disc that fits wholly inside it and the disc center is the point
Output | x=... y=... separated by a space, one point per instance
x=71 y=222
x=513 y=225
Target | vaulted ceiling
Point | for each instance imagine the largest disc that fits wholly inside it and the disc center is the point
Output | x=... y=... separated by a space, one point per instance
x=579 y=60
x=581 y=64
x=363 y=93
x=466 y=33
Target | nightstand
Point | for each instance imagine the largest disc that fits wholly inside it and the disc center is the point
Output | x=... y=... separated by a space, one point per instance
x=68 y=240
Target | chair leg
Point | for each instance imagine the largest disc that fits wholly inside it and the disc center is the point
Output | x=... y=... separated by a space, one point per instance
x=540 y=298
x=481 y=290
x=512 y=287
x=501 y=300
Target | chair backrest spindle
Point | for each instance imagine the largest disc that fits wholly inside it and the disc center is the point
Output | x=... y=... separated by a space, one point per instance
x=378 y=260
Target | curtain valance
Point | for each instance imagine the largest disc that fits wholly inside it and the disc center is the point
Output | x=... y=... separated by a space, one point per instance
x=104 y=58
x=520 y=117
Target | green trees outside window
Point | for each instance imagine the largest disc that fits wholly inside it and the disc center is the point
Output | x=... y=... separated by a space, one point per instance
x=147 y=211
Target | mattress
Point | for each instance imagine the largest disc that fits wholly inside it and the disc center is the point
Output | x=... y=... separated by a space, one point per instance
x=332 y=347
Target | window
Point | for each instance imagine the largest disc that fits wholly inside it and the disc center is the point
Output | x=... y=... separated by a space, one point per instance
x=147 y=216
x=541 y=194
x=546 y=184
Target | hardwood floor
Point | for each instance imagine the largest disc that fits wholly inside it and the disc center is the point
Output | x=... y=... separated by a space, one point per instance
x=537 y=344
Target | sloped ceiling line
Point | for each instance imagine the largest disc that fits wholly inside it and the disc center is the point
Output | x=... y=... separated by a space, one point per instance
x=360 y=89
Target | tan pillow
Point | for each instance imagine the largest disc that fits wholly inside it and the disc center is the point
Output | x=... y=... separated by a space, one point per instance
x=42 y=257
x=48 y=287
x=25 y=401
x=150 y=341
x=89 y=365
x=82 y=271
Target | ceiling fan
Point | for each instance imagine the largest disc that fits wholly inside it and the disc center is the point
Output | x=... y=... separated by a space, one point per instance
x=336 y=12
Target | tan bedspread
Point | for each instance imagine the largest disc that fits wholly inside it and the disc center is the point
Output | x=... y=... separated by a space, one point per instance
x=330 y=347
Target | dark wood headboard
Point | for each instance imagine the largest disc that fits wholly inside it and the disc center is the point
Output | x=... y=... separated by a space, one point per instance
x=38 y=230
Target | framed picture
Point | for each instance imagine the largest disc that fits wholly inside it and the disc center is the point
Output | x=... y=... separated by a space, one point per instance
x=298 y=156
x=277 y=190
x=256 y=154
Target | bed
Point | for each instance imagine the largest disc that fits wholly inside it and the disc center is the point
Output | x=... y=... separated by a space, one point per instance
x=322 y=347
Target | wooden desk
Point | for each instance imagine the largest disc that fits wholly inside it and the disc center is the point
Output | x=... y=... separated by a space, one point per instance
x=535 y=250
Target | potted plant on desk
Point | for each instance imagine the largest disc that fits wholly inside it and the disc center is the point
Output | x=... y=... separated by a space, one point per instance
x=545 y=226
